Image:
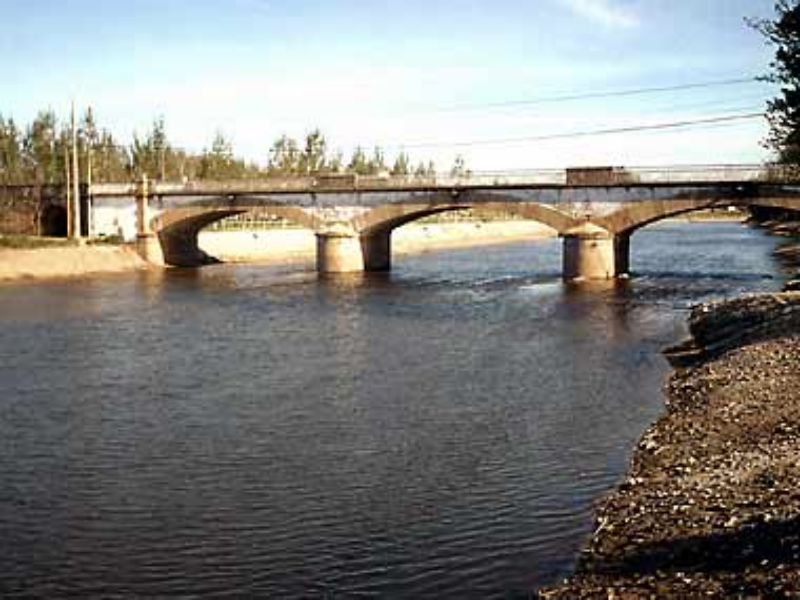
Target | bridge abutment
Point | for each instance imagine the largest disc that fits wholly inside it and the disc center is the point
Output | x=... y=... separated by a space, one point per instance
x=589 y=252
x=148 y=246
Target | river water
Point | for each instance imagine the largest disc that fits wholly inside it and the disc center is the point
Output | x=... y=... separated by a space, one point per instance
x=442 y=431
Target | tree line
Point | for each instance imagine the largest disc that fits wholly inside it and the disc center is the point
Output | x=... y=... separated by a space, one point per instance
x=40 y=153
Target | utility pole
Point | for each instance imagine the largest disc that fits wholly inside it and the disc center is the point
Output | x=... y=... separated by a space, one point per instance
x=89 y=207
x=76 y=188
x=68 y=190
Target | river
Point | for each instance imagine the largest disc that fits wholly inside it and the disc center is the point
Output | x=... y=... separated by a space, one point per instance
x=442 y=431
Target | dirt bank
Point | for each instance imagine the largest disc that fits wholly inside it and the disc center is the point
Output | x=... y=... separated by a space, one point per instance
x=70 y=261
x=711 y=504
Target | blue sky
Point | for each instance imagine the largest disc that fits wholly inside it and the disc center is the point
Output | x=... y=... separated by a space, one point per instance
x=402 y=74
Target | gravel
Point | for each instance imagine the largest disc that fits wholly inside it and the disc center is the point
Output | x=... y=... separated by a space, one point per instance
x=711 y=503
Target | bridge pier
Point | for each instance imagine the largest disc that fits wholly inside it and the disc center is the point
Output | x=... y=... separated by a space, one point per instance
x=377 y=250
x=339 y=253
x=622 y=254
x=590 y=252
x=344 y=252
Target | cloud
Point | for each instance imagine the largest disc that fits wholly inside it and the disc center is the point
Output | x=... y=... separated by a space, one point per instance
x=605 y=12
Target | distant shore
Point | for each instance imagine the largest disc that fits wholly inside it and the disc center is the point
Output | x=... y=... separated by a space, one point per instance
x=59 y=260
x=285 y=245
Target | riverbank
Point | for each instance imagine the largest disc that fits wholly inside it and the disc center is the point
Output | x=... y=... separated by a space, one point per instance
x=788 y=253
x=66 y=261
x=711 y=504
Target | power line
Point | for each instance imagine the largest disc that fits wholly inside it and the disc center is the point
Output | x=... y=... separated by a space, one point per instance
x=579 y=134
x=603 y=94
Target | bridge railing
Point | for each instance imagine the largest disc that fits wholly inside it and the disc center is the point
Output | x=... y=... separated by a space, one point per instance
x=581 y=176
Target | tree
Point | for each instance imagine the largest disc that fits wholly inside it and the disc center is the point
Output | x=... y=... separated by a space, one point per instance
x=425 y=171
x=359 y=164
x=377 y=164
x=11 y=158
x=284 y=157
x=111 y=161
x=43 y=149
x=313 y=159
x=784 y=111
x=402 y=165
x=459 y=168
x=218 y=162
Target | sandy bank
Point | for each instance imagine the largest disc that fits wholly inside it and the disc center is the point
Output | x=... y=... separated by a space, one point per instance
x=711 y=504
x=45 y=263
x=281 y=245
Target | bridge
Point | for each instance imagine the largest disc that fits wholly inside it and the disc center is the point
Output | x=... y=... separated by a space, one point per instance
x=594 y=210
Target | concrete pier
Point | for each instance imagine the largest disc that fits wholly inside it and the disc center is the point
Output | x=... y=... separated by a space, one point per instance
x=622 y=255
x=339 y=253
x=377 y=251
x=589 y=253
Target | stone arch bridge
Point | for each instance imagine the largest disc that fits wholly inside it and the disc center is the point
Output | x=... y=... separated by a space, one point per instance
x=594 y=210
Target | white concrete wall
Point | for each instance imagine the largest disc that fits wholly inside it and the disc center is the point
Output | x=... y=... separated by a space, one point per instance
x=115 y=216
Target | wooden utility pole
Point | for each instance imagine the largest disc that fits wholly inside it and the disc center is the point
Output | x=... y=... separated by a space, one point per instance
x=89 y=208
x=68 y=190
x=76 y=186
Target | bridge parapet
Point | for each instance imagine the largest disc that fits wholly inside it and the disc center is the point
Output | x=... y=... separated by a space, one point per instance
x=544 y=178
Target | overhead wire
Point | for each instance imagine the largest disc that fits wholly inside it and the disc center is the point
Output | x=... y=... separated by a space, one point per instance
x=579 y=134
x=572 y=97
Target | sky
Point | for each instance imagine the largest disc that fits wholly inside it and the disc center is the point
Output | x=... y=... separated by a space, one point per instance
x=491 y=80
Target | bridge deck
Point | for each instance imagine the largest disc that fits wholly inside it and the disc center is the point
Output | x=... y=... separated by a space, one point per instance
x=702 y=175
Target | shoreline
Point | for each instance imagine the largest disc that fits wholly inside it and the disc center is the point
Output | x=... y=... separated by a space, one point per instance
x=67 y=262
x=710 y=505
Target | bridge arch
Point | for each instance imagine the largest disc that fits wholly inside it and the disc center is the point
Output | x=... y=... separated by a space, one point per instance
x=623 y=223
x=634 y=216
x=177 y=229
x=370 y=248
x=384 y=219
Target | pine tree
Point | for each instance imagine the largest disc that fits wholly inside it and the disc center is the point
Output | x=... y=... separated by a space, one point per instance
x=11 y=158
x=377 y=163
x=284 y=157
x=219 y=163
x=313 y=158
x=402 y=165
x=359 y=164
x=42 y=150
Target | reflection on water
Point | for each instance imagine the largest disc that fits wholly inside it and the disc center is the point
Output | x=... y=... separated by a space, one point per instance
x=440 y=431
